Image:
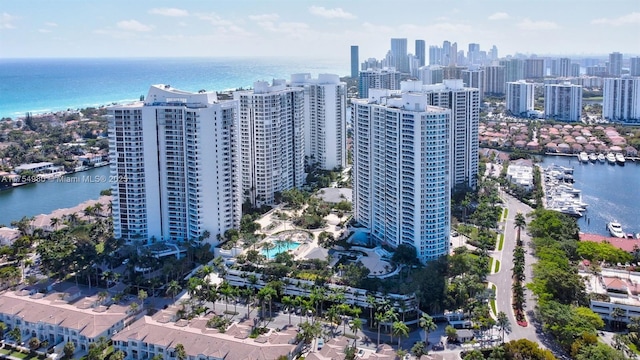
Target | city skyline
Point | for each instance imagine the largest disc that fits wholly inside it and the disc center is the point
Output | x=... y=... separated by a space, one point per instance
x=323 y=29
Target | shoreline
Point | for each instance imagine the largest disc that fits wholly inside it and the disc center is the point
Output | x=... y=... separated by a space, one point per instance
x=43 y=221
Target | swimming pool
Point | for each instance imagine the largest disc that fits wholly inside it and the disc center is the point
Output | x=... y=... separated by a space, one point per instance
x=280 y=247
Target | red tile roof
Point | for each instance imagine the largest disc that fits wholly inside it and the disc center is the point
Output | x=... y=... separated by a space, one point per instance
x=623 y=244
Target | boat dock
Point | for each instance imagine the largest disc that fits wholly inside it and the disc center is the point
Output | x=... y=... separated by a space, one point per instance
x=559 y=193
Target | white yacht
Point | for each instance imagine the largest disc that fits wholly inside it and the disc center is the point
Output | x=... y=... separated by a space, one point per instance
x=583 y=157
x=601 y=157
x=620 y=159
x=616 y=229
x=611 y=158
x=593 y=157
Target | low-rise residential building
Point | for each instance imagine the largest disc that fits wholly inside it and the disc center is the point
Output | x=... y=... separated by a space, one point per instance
x=61 y=317
x=38 y=168
x=161 y=334
x=520 y=173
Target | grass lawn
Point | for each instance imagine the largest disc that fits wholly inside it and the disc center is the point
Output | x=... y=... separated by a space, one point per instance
x=490 y=265
x=504 y=214
x=18 y=354
x=501 y=242
x=493 y=302
x=497 y=266
x=633 y=348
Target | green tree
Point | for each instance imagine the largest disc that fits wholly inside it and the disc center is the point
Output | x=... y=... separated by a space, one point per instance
x=503 y=323
x=69 y=349
x=428 y=325
x=181 y=353
x=173 y=288
x=474 y=355
x=520 y=223
x=355 y=326
x=34 y=343
x=400 y=330
x=451 y=332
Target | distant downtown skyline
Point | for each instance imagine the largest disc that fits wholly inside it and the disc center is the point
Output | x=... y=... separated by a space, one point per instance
x=321 y=29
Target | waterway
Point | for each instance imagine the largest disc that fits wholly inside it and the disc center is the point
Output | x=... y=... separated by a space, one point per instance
x=612 y=192
x=43 y=198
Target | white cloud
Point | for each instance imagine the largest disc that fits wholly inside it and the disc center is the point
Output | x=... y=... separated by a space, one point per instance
x=290 y=28
x=133 y=25
x=215 y=19
x=264 y=17
x=6 y=21
x=335 y=13
x=51 y=24
x=633 y=18
x=528 y=24
x=499 y=16
x=222 y=25
x=169 y=12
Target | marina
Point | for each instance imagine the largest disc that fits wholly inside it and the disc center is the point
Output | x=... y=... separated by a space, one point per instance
x=560 y=195
x=606 y=189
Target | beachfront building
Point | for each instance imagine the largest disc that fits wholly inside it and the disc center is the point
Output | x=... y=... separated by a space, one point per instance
x=59 y=318
x=325 y=120
x=386 y=78
x=175 y=155
x=272 y=148
x=402 y=180
x=520 y=97
x=44 y=167
x=621 y=100
x=563 y=101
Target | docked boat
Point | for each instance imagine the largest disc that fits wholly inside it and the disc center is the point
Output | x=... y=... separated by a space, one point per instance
x=601 y=158
x=611 y=159
x=593 y=157
x=620 y=159
x=615 y=229
x=583 y=157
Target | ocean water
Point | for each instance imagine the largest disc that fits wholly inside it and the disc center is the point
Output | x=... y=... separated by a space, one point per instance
x=45 y=85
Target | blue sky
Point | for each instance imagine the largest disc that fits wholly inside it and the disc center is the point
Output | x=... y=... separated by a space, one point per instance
x=325 y=29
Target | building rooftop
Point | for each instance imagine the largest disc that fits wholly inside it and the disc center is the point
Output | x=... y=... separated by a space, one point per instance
x=89 y=321
x=627 y=245
x=198 y=339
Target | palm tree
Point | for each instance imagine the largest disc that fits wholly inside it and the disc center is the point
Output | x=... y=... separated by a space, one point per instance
x=287 y=301
x=616 y=314
x=379 y=319
x=520 y=223
x=371 y=301
x=142 y=296
x=503 y=323
x=227 y=292
x=428 y=325
x=355 y=326
x=267 y=246
x=266 y=294
x=391 y=316
x=54 y=223
x=400 y=330
x=173 y=288
x=181 y=354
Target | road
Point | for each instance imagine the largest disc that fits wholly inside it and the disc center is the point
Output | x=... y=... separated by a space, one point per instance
x=503 y=279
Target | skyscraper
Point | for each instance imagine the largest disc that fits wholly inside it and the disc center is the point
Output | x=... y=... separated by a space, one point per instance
x=563 y=102
x=634 y=68
x=464 y=103
x=615 y=64
x=431 y=74
x=401 y=171
x=377 y=79
x=493 y=53
x=435 y=55
x=574 y=70
x=495 y=80
x=325 y=104
x=272 y=146
x=473 y=55
x=533 y=68
x=355 y=61
x=513 y=69
x=421 y=51
x=621 y=100
x=446 y=53
x=520 y=97
x=399 y=53
x=176 y=154
x=565 y=67
x=474 y=77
